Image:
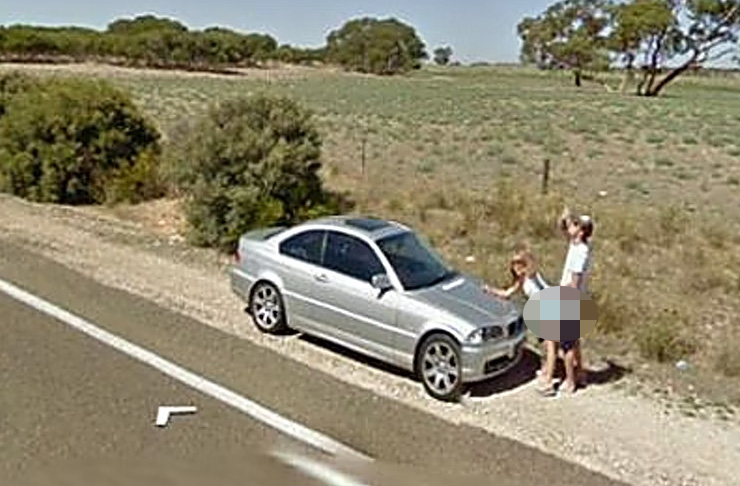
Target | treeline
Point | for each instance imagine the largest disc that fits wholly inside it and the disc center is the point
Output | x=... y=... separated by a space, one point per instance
x=370 y=45
x=147 y=41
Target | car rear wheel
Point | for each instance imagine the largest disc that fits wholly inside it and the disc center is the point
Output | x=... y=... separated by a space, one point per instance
x=267 y=308
x=439 y=367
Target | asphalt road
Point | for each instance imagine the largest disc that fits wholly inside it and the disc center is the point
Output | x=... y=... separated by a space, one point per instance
x=66 y=398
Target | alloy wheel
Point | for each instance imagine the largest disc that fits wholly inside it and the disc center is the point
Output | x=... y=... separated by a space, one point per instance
x=440 y=368
x=267 y=308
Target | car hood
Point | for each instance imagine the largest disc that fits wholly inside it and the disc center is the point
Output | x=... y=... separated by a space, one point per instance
x=463 y=298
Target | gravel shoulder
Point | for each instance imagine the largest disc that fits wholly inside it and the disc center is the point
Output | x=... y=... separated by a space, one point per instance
x=628 y=436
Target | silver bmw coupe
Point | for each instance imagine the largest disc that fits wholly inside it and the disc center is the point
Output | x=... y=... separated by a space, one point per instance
x=379 y=288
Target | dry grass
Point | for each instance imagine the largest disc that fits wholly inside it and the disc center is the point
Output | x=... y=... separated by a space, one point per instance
x=458 y=153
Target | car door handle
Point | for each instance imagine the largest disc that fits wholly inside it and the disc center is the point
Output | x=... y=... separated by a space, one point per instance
x=320 y=277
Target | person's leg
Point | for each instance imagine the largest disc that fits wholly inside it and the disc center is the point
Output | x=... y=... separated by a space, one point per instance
x=543 y=368
x=570 y=373
x=579 y=364
x=549 y=371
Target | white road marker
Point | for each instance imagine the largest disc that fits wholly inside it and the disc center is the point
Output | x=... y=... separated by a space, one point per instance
x=200 y=383
x=318 y=470
x=164 y=413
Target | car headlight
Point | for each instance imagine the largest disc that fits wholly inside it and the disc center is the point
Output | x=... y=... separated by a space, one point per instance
x=485 y=334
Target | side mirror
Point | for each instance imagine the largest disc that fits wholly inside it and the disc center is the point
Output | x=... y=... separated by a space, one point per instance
x=381 y=282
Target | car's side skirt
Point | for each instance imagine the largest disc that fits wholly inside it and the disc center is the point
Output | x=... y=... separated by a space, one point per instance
x=372 y=350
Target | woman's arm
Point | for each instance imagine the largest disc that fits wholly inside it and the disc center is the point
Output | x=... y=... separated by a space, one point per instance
x=503 y=293
x=565 y=219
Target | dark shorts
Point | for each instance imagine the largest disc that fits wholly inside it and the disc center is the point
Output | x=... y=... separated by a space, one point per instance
x=567 y=345
x=564 y=345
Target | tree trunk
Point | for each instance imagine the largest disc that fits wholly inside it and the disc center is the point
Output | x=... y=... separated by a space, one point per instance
x=650 y=83
x=577 y=79
x=641 y=83
x=655 y=90
x=654 y=61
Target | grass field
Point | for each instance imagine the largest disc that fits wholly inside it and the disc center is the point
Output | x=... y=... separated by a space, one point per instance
x=458 y=153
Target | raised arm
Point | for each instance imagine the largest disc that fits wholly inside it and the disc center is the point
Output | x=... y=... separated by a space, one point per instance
x=565 y=219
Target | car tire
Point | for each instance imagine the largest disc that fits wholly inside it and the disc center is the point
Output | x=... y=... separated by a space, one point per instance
x=439 y=367
x=267 y=308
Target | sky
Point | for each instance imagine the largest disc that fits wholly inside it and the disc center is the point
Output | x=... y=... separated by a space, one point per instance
x=477 y=30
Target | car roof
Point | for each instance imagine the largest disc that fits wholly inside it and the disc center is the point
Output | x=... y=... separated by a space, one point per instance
x=371 y=227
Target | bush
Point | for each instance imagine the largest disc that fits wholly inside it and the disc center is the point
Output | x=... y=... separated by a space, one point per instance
x=661 y=338
x=13 y=83
x=249 y=162
x=77 y=142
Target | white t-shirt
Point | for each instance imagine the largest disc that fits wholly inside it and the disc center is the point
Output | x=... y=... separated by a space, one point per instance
x=534 y=284
x=577 y=261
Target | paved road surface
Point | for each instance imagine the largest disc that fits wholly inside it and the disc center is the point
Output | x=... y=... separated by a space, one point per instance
x=68 y=397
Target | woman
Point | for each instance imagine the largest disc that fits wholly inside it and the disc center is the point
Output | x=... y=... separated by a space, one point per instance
x=578 y=232
x=527 y=278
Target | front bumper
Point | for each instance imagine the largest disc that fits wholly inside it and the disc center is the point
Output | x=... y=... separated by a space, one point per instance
x=487 y=360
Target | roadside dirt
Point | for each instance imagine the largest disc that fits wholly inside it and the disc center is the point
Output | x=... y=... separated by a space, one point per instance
x=609 y=427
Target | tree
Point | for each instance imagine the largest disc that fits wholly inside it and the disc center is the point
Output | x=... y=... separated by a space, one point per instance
x=71 y=141
x=442 y=55
x=369 y=45
x=249 y=162
x=570 y=34
x=652 y=31
x=661 y=38
x=637 y=24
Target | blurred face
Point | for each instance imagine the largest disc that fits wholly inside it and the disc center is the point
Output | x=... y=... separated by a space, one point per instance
x=574 y=229
x=519 y=267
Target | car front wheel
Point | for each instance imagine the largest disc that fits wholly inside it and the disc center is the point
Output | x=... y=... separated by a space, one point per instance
x=439 y=367
x=267 y=309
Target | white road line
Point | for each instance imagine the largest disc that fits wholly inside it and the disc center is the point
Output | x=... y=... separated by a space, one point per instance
x=318 y=470
x=243 y=404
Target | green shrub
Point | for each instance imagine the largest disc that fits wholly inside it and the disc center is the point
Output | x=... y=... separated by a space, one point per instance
x=77 y=142
x=661 y=338
x=13 y=83
x=250 y=162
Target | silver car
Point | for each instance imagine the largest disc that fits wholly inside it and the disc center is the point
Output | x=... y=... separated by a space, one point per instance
x=377 y=287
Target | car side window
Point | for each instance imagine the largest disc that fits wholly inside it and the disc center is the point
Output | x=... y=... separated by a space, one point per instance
x=351 y=256
x=306 y=246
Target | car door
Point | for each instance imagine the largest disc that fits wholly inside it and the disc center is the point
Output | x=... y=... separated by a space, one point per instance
x=363 y=315
x=301 y=264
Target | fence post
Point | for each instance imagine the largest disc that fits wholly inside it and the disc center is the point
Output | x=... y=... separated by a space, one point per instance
x=545 y=175
x=364 y=140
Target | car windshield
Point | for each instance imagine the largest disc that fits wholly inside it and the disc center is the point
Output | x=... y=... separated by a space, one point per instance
x=414 y=261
